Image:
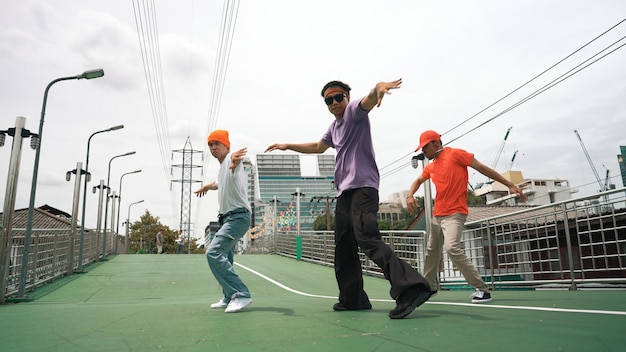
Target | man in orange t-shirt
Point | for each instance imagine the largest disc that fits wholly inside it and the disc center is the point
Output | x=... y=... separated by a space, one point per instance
x=448 y=171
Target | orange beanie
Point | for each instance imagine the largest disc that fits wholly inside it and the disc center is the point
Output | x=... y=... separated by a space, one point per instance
x=219 y=136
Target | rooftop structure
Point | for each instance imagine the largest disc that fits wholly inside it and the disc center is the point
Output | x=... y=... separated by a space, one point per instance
x=538 y=191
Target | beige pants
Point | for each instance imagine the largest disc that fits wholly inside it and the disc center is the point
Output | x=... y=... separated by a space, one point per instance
x=446 y=232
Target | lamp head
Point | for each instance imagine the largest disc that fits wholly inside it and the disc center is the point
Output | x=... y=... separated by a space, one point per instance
x=91 y=74
x=34 y=141
x=116 y=127
x=415 y=160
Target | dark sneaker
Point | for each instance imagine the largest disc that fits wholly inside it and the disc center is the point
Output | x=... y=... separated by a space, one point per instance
x=408 y=301
x=339 y=307
x=481 y=296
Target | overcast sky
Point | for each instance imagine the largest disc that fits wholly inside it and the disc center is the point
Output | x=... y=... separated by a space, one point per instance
x=455 y=57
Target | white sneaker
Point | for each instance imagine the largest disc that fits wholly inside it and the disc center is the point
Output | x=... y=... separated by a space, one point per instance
x=237 y=304
x=220 y=304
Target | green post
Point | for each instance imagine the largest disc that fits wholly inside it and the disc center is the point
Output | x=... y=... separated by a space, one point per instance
x=298 y=247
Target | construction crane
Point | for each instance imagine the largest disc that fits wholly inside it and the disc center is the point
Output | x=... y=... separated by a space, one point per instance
x=495 y=162
x=607 y=179
x=603 y=187
x=512 y=160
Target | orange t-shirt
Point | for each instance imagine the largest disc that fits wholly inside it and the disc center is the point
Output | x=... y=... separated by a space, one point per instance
x=449 y=174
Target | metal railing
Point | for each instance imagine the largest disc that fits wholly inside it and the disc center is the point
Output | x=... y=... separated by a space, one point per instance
x=49 y=257
x=574 y=242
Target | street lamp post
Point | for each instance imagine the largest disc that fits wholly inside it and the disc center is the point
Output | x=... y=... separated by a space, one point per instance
x=106 y=207
x=114 y=236
x=416 y=160
x=82 y=221
x=275 y=219
x=128 y=223
x=119 y=206
x=101 y=187
x=18 y=133
x=78 y=172
x=33 y=189
x=298 y=196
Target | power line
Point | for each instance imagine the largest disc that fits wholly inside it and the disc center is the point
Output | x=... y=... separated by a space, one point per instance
x=147 y=32
x=553 y=83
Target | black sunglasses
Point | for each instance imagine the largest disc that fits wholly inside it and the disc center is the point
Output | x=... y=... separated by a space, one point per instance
x=338 y=98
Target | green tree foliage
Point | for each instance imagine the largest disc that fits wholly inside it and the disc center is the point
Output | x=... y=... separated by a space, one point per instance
x=384 y=225
x=320 y=223
x=142 y=236
x=404 y=220
x=473 y=199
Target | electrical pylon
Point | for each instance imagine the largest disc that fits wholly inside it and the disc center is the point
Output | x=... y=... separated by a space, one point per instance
x=186 y=181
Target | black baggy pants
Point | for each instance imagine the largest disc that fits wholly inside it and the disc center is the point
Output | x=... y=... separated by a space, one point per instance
x=356 y=227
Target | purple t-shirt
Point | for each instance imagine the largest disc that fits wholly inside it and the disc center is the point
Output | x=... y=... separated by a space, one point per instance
x=355 y=164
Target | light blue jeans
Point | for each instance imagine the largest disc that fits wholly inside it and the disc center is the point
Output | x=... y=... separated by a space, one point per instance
x=221 y=252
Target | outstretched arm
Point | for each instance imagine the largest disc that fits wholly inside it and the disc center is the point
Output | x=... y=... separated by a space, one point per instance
x=305 y=148
x=375 y=96
x=236 y=158
x=411 y=203
x=494 y=175
x=208 y=187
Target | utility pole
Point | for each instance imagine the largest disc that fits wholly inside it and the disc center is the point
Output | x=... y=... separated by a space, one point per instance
x=328 y=200
x=186 y=180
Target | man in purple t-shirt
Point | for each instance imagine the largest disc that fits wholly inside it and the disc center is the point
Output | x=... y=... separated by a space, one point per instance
x=357 y=180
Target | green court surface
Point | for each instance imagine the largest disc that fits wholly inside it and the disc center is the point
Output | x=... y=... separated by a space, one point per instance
x=152 y=302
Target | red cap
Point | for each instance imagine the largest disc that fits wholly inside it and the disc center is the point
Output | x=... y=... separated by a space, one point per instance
x=427 y=137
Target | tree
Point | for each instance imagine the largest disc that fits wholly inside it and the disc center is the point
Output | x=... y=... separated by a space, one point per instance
x=142 y=236
x=384 y=225
x=320 y=222
x=404 y=219
x=473 y=199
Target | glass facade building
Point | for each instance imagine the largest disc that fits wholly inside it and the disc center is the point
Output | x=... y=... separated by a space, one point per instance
x=279 y=177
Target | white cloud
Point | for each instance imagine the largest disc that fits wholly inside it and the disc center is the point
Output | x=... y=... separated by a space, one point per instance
x=456 y=58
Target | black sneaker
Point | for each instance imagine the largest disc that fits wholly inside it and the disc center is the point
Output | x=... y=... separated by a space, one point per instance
x=408 y=301
x=481 y=296
x=339 y=307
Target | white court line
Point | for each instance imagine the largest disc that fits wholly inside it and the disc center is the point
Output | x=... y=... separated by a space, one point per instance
x=564 y=310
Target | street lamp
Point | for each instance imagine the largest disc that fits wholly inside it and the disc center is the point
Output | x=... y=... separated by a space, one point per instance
x=68 y=175
x=33 y=189
x=106 y=207
x=18 y=133
x=128 y=222
x=298 y=196
x=82 y=221
x=428 y=199
x=119 y=205
x=101 y=188
x=416 y=159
